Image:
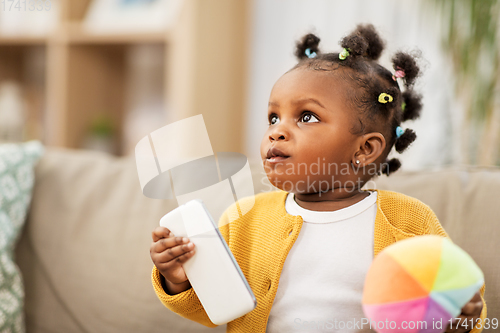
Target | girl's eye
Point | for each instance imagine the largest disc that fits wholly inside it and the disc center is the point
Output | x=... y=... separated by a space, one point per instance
x=274 y=120
x=308 y=118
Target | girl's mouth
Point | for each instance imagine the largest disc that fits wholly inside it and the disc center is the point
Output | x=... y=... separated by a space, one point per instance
x=275 y=159
x=275 y=155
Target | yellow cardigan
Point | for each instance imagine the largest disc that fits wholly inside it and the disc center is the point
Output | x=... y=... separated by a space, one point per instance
x=261 y=239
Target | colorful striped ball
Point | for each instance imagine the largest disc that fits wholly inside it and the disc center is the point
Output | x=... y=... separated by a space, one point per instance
x=421 y=279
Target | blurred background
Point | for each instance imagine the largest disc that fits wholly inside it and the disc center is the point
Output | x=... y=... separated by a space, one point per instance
x=102 y=74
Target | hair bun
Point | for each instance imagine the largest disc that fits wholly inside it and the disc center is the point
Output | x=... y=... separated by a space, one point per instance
x=375 y=43
x=405 y=140
x=364 y=41
x=413 y=105
x=355 y=43
x=390 y=166
x=407 y=63
x=309 y=41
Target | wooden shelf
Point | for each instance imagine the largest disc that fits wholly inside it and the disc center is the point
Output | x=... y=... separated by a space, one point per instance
x=85 y=73
x=22 y=40
x=75 y=33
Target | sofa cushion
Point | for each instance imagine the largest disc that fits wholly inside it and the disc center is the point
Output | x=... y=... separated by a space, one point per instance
x=84 y=253
x=16 y=183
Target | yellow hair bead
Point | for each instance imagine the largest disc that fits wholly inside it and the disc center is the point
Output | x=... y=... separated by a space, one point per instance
x=384 y=98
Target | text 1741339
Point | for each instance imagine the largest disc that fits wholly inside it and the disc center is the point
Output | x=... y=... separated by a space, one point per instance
x=25 y=5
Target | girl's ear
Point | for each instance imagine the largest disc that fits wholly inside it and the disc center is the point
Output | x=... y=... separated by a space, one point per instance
x=371 y=146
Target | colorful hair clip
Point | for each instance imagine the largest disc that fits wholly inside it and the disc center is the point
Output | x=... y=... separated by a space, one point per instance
x=399 y=131
x=399 y=73
x=344 y=54
x=384 y=98
x=310 y=54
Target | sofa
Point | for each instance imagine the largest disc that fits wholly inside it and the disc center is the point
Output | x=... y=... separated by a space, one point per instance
x=84 y=251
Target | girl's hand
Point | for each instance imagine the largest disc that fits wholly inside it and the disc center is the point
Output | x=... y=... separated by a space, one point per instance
x=471 y=313
x=168 y=254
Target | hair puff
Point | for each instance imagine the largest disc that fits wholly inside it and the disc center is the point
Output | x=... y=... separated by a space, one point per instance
x=405 y=140
x=375 y=43
x=390 y=166
x=408 y=64
x=413 y=105
x=309 y=41
x=364 y=41
x=355 y=43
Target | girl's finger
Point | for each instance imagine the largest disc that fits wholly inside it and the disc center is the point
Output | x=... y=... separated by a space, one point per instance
x=166 y=243
x=472 y=308
x=159 y=233
x=174 y=252
x=164 y=267
x=476 y=297
x=182 y=259
x=179 y=260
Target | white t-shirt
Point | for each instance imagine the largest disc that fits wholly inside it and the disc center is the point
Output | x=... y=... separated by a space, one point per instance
x=321 y=284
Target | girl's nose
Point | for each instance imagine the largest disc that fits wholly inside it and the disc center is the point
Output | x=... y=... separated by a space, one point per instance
x=279 y=133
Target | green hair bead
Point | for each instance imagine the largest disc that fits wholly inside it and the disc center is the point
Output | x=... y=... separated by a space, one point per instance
x=344 y=54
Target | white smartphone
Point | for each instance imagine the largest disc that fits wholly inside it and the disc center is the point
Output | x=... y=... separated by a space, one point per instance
x=213 y=272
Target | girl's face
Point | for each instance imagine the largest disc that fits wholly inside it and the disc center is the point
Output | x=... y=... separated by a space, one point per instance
x=308 y=147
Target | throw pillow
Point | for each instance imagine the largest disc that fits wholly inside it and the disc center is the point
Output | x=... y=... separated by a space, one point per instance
x=16 y=182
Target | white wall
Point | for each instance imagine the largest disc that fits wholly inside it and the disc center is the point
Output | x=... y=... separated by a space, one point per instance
x=277 y=24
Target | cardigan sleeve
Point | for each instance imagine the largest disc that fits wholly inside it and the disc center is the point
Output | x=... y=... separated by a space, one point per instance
x=187 y=303
x=433 y=227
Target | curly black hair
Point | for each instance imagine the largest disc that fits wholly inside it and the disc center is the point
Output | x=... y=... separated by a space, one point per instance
x=362 y=48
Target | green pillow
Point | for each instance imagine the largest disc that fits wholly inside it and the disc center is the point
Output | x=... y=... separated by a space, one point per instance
x=16 y=182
